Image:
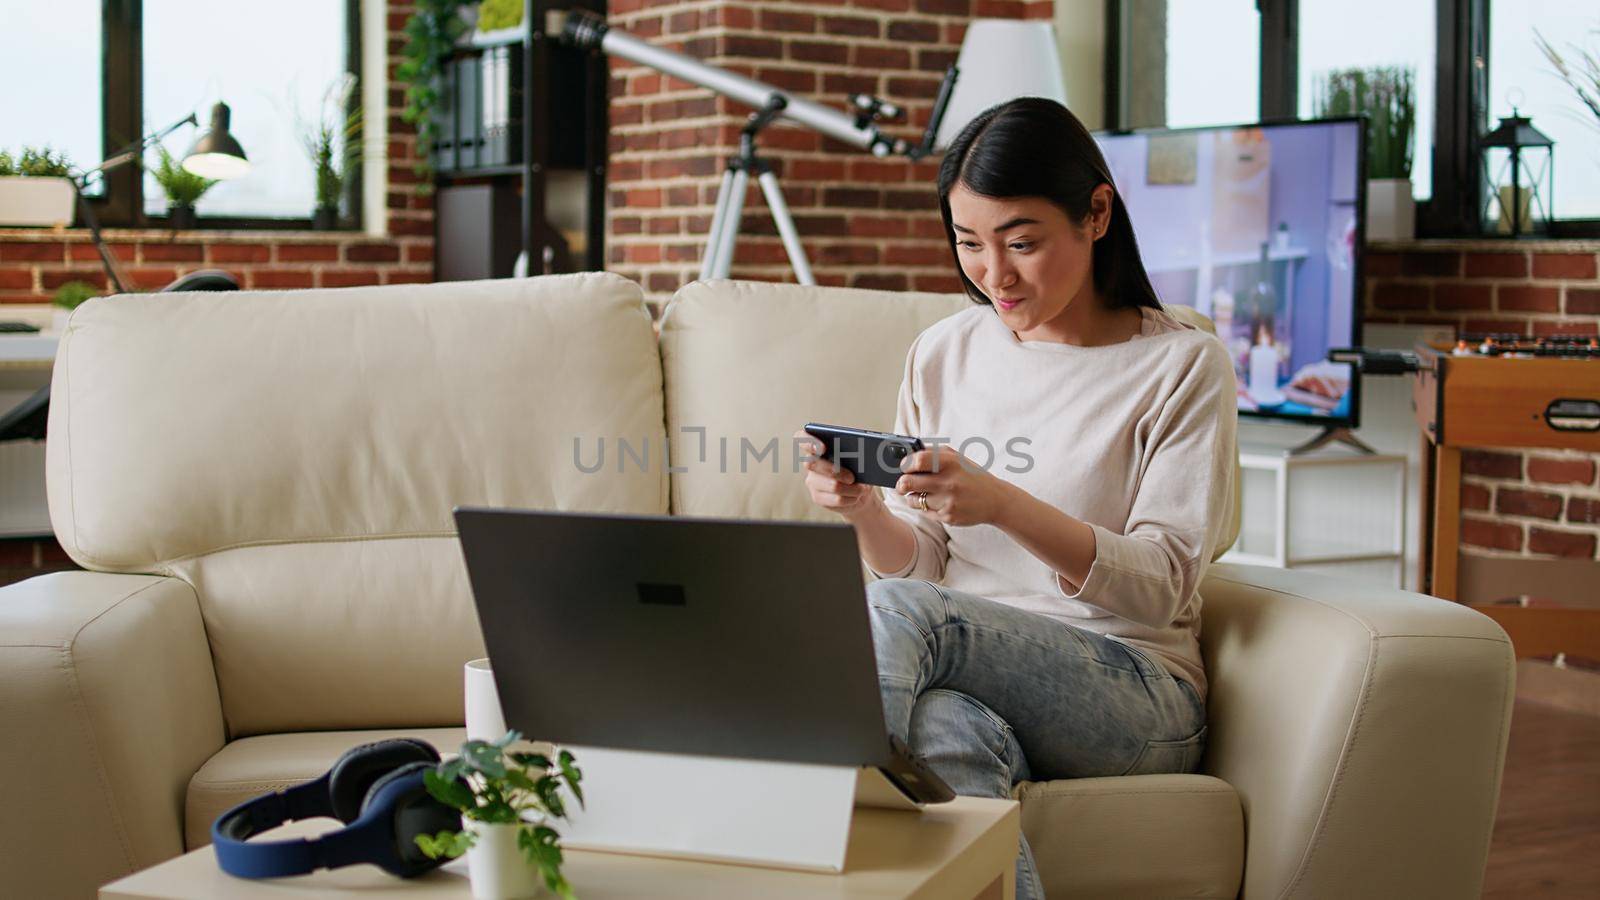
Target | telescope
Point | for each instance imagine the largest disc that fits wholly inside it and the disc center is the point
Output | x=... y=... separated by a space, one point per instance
x=858 y=128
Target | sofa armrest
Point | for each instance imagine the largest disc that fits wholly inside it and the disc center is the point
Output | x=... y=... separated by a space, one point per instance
x=109 y=704
x=1364 y=729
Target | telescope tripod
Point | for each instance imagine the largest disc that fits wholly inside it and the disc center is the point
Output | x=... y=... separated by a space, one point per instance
x=730 y=203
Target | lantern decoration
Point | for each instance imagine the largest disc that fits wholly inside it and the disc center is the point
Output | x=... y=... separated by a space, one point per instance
x=1519 y=178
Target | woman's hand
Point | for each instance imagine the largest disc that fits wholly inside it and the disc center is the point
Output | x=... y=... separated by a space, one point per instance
x=959 y=491
x=834 y=488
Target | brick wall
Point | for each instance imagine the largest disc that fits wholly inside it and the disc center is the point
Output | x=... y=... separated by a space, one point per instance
x=865 y=222
x=1538 y=503
x=34 y=262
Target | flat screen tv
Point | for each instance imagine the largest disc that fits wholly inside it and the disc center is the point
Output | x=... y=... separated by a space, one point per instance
x=1260 y=227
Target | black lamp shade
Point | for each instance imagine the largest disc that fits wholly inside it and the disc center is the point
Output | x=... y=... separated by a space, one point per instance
x=217 y=154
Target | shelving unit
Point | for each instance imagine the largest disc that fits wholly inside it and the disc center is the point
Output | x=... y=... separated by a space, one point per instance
x=521 y=122
x=1332 y=511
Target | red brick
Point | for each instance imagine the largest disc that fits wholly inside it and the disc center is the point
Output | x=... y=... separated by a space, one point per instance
x=1457 y=296
x=819 y=52
x=121 y=252
x=1546 y=328
x=914 y=31
x=1555 y=470
x=1400 y=295
x=1583 y=301
x=1490 y=534
x=407 y=277
x=50 y=279
x=1497 y=265
x=240 y=253
x=282 y=278
x=1489 y=464
x=1568 y=544
x=411 y=227
x=1563 y=265
x=1494 y=326
x=879 y=281
x=1437 y=264
x=149 y=279
x=372 y=253
x=751 y=47
x=1475 y=497
x=33 y=251
x=418 y=253
x=308 y=252
x=1539 y=505
x=870 y=57
x=917 y=255
x=1584 y=510
x=789 y=22
x=172 y=252
x=1527 y=298
x=939 y=284
x=945 y=7
x=885 y=5
x=663 y=282
x=16 y=279
x=17 y=553
x=1378 y=264
x=878 y=226
x=348 y=277
x=1000 y=9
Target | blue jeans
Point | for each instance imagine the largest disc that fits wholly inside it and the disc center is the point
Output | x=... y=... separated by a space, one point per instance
x=991 y=695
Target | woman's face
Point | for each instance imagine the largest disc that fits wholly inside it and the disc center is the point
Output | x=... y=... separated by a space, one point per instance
x=1030 y=259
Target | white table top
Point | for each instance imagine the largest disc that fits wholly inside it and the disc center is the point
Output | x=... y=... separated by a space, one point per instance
x=954 y=850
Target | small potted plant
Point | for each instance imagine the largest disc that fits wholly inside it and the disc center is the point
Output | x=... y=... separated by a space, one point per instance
x=36 y=188
x=67 y=298
x=182 y=187
x=506 y=798
x=333 y=144
x=1386 y=97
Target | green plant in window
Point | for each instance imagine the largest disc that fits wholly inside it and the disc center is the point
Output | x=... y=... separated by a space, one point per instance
x=333 y=142
x=39 y=162
x=72 y=294
x=1386 y=96
x=181 y=186
x=1582 y=73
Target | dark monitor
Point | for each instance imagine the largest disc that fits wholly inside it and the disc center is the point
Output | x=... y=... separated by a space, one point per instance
x=1259 y=227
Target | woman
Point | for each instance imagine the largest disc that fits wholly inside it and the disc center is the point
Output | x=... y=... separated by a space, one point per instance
x=1041 y=621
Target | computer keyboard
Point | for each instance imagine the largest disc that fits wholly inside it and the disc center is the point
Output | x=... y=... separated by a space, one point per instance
x=18 y=328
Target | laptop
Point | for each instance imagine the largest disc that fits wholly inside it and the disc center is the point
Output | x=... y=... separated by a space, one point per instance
x=667 y=634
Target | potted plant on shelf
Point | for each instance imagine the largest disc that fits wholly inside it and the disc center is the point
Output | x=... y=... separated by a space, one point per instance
x=67 y=298
x=333 y=143
x=506 y=797
x=36 y=188
x=1386 y=96
x=182 y=188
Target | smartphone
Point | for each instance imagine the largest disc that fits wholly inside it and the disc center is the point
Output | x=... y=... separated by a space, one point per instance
x=872 y=456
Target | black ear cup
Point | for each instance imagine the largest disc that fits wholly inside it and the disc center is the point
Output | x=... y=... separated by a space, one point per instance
x=353 y=775
x=413 y=811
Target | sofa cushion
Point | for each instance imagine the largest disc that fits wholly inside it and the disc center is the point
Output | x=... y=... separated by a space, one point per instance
x=253 y=766
x=296 y=455
x=1145 y=836
x=752 y=361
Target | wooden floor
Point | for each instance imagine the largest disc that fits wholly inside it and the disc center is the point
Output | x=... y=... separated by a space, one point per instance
x=1547 y=834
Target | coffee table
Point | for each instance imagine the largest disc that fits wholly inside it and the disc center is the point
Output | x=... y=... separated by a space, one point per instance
x=960 y=850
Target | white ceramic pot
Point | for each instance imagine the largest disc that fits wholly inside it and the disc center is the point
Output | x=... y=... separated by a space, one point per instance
x=30 y=200
x=498 y=870
x=485 y=721
x=1391 y=211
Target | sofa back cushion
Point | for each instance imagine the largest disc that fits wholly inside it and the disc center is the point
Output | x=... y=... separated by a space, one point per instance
x=746 y=364
x=296 y=456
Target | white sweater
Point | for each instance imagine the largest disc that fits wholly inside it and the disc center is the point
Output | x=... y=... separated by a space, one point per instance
x=1137 y=439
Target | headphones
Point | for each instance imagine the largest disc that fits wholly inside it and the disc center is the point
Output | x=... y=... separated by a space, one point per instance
x=375 y=789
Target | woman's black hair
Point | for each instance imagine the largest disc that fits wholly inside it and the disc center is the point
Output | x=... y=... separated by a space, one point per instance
x=1033 y=147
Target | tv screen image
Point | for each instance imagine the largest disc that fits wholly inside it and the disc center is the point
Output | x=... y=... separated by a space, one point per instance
x=1260 y=228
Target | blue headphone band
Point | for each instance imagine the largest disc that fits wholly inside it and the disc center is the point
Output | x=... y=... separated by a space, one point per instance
x=370 y=838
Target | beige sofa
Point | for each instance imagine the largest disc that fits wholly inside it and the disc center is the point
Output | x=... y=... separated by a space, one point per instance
x=261 y=486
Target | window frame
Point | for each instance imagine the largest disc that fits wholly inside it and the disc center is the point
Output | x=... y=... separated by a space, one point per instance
x=121 y=204
x=1460 y=105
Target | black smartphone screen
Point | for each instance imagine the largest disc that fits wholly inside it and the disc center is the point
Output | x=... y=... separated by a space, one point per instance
x=872 y=456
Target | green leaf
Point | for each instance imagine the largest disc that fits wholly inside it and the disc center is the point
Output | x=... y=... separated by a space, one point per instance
x=532 y=760
x=485 y=758
x=573 y=775
x=448 y=791
x=447 y=844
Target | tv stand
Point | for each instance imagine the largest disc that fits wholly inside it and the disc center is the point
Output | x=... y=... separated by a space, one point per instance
x=1331 y=435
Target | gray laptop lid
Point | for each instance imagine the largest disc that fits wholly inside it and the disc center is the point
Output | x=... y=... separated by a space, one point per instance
x=678 y=635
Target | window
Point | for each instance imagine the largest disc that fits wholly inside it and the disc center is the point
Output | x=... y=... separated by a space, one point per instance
x=160 y=60
x=273 y=81
x=1470 y=57
x=61 y=110
x=1521 y=76
x=1341 y=36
